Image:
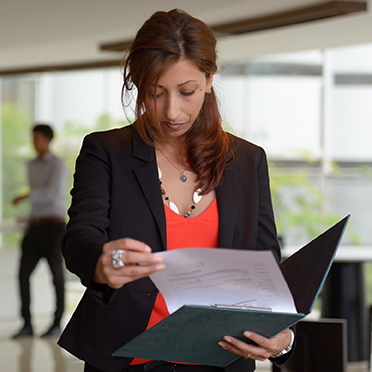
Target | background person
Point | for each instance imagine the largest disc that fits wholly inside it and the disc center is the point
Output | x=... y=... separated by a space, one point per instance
x=48 y=180
x=173 y=179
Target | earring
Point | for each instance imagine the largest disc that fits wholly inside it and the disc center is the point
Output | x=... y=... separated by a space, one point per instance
x=209 y=91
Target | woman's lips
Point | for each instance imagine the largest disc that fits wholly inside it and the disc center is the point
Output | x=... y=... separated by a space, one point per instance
x=173 y=125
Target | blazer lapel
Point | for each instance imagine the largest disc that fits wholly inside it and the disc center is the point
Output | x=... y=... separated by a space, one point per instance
x=147 y=176
x=227 y=199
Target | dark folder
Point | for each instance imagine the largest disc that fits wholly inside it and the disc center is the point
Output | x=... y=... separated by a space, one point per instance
x=191 y=334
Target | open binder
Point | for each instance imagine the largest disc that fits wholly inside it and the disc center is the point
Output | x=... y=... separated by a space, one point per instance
x=191 y=334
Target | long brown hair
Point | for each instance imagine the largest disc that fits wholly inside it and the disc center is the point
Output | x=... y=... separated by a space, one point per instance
x=164 y=39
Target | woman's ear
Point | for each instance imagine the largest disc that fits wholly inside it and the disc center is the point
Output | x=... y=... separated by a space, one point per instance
x=209 y=83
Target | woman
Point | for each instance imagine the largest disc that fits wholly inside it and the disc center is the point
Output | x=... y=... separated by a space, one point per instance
x=172 y=179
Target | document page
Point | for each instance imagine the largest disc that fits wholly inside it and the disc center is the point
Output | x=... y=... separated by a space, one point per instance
x=210 y=277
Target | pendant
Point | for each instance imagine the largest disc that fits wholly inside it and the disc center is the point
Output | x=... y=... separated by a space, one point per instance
x=183 y=177
x=173 y=207
x=196 y=197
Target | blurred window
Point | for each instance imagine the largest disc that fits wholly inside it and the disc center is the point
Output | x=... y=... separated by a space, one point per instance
x=309 y=110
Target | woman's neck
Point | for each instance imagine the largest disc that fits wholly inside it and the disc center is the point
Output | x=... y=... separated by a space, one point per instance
x=172 y=151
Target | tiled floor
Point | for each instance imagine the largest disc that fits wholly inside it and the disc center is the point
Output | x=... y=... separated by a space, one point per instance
x=32 y=354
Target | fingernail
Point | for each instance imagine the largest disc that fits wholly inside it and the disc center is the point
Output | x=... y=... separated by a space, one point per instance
x=247 y=334
x=227 y=338
x=160 y=267
x=157 y=258
x=223 y=345
x=147 y=248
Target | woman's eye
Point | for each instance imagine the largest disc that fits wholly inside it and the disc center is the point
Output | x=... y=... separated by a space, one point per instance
x=157 y=95
x=188 y=93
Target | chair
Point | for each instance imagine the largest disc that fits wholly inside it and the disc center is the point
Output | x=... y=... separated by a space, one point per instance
x=320 y=346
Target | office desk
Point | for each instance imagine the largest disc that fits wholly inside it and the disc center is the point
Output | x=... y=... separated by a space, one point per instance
x=343 y=296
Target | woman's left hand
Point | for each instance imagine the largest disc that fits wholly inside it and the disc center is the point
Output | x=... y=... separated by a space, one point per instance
x=265 y=348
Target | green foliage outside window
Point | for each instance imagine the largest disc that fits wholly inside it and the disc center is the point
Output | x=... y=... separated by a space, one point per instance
x=298 y=204
x=16 y=150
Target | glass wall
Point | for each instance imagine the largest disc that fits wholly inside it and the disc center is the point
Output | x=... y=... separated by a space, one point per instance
x=310 y=111
x=74 y=103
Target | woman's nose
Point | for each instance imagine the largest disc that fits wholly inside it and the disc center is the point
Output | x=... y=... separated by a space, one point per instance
x=172 y=108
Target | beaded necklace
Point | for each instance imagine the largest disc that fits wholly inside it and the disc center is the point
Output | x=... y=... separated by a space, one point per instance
x=196 y=197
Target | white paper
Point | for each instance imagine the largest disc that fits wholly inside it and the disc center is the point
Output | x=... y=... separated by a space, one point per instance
x=201 y=276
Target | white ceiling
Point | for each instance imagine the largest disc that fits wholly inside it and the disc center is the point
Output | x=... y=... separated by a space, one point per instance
x=53 y=32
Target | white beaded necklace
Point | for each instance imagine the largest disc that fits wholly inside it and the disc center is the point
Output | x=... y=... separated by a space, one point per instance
x=196 y=197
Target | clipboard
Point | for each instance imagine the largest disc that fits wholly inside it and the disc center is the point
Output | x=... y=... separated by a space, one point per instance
x=191 y=334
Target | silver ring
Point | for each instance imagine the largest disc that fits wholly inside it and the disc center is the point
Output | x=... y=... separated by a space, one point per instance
x=116 y=258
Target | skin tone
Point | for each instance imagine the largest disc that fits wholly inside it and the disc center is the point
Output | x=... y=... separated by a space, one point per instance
x=178 y=98
x=41 y=144
x=177 y=101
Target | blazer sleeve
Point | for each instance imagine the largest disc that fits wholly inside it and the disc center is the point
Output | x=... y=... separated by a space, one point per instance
x=86 y=230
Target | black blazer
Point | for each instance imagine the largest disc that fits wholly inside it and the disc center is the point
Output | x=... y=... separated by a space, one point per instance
x=117 y=194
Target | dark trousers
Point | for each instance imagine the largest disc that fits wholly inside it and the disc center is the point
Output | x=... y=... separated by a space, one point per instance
x=42 y=241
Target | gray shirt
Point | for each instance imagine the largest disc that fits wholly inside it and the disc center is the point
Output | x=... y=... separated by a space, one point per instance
x=48 y=182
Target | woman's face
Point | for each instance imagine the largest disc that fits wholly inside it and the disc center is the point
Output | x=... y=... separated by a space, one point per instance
x=178 y=97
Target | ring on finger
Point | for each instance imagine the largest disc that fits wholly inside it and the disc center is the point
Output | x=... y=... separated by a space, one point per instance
x=117 y=258
x=248 y=356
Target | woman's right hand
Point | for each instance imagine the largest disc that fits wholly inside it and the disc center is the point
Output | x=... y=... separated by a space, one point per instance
x=137 y=257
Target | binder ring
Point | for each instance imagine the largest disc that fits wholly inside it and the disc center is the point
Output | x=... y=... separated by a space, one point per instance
x=117 y=258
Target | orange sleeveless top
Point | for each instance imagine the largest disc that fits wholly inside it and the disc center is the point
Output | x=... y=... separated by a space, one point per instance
x=201 y=231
